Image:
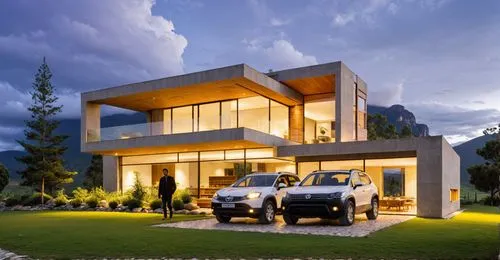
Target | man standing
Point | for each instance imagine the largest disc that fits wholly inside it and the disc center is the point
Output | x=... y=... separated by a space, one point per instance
x=165 y=192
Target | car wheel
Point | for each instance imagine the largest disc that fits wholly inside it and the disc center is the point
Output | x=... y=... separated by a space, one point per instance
x=348 y=218
x=373 y=212
x=290 y=219
x=222 y=219
x=268 y=213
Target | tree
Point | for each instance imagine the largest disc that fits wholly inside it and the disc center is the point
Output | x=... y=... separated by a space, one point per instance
x=486 y=177
x=43 y=162
x=406 y=132
x=93 y=175
x=4 y=177
x=380 y=128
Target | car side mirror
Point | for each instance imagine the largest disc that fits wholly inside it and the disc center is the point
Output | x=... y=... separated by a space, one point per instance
x=357 y=184
x=281 y=185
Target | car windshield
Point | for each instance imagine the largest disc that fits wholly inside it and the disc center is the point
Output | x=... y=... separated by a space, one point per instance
x=326 y=179
x=263 y=180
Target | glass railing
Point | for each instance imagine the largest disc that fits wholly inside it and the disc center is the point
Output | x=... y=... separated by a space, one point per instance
x=183 y=126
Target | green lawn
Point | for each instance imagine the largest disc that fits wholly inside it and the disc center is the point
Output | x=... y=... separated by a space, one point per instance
x=473 y=234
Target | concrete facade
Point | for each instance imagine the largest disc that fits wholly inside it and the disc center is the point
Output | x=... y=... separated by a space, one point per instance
x=437 y=165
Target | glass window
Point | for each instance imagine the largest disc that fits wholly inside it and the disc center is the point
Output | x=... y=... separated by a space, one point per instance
x=209 y=116
x=185 y=157
x=182 y=119
x=354 y=112
x=327 y=179
x=260 y=153
x=229 y=114
x=212 y=156
x=355 y=179
x=261 y=180
x=394 y=182
x=292 y=180
x=342 y=165
x=307 y=167
x=196 y=119
x=156 y=158
x=364 y=179
x=235 y=154
x=319 y=121
x=167 y=123
x=279 y=120
x=253 y=113
x=361 y=113
x=282 y=179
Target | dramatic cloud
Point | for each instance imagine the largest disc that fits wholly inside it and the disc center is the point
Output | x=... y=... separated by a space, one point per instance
x=387 y=96
x=280 y=54
x=88 y=45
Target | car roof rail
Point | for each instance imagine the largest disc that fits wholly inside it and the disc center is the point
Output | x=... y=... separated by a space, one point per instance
x=354 y=169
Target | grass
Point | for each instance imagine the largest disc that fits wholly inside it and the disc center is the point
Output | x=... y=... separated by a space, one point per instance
x=470 y=235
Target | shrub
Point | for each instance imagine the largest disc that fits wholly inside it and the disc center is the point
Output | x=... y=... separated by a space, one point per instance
x=113 y=204
x=134 y=203
x=151 y=194
x=36 y=199
x=75 y=203
x=99 y=193
x=186 y=197
x=4 y=177
x=13 y=201
x=92 y=202
x=488 y=201
x=177 y=204
x=81 y=194
x=115 y=196
x=139 y=192
x=60 y=199
x=155 y=204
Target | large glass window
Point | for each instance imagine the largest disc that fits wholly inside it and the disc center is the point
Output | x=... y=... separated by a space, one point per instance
x=361 y=113
x=167 y=121
x=182 y=119
x=279 y=120
x=229 y=114
x=254 y=113
x=319 y=121
x=209 y=116
x=342 y=165
x=307 y=167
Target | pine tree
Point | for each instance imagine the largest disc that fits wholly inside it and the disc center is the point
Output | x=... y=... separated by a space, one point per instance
x=406 y=132
x=93 y=175
x=4 y=177
x=44 y=163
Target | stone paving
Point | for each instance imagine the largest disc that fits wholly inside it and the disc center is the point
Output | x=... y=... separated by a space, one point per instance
x=362 y=227
x=4 y=255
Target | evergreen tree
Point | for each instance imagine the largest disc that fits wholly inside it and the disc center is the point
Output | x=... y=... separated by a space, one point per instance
x=93 y=175
x=43 y=162
x=406 y=132
x=4 y=177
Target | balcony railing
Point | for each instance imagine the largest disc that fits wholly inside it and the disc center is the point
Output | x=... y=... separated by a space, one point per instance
x=181 y=126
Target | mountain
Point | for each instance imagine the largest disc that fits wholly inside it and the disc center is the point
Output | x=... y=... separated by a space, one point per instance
x=399 y=116
x=468 y=156
x=74 y=159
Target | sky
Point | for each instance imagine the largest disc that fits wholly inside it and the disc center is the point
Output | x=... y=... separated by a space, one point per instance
x=438 y=58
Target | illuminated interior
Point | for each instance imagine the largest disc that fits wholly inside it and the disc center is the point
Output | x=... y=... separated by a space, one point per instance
x=319 y=121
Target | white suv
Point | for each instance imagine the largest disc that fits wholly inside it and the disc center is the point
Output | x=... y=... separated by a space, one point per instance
x=337 y=194
x=256 y=195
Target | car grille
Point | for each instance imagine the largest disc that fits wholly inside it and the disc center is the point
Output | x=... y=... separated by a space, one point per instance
x=234 y=198
x=313 y=196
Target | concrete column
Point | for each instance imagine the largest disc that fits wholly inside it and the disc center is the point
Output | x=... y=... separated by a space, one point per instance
x=430 y=177
x=344 y=102
x=90 y=122
x=111 y=173
x=450 y=178
x=296 y=117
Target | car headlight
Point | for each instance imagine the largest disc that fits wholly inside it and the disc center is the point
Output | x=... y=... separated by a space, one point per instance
x=215 y=195
x=336 y=195
x=252 y=195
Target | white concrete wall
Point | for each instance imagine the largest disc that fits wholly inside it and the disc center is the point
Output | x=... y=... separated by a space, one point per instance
x=451 y=180
x=110 y=172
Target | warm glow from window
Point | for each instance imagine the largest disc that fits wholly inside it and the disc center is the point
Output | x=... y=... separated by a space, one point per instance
x=211 y=156
x=156 y=158
x=260 y=153
x=185 y=157
x=454 y=195
x=235 y=154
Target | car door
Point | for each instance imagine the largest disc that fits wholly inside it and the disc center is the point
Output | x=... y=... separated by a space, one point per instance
x=359 y=192
x=366 y=188
x=280 y=193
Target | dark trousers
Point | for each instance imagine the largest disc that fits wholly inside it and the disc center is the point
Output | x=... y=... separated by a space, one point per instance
x=166 y=201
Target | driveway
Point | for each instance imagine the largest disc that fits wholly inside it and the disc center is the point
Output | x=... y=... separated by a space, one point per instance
x=362 y=227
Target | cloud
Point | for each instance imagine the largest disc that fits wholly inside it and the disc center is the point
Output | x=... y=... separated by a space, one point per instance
x=457 y=123
x=280 y=54
x=387 y=96
x=88 y=44
x=278 y=22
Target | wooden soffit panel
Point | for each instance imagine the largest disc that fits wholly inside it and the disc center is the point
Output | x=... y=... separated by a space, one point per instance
x=313 y=85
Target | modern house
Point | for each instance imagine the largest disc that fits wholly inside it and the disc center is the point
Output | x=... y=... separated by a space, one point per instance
x=211 y=127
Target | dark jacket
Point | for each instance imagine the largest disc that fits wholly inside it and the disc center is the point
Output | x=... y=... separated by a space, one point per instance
x=167 y=186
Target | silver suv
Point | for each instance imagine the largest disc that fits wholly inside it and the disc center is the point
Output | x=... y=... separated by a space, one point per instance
x=337 y=194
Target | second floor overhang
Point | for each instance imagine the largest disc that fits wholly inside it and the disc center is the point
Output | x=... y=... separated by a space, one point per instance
x=233 y=82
